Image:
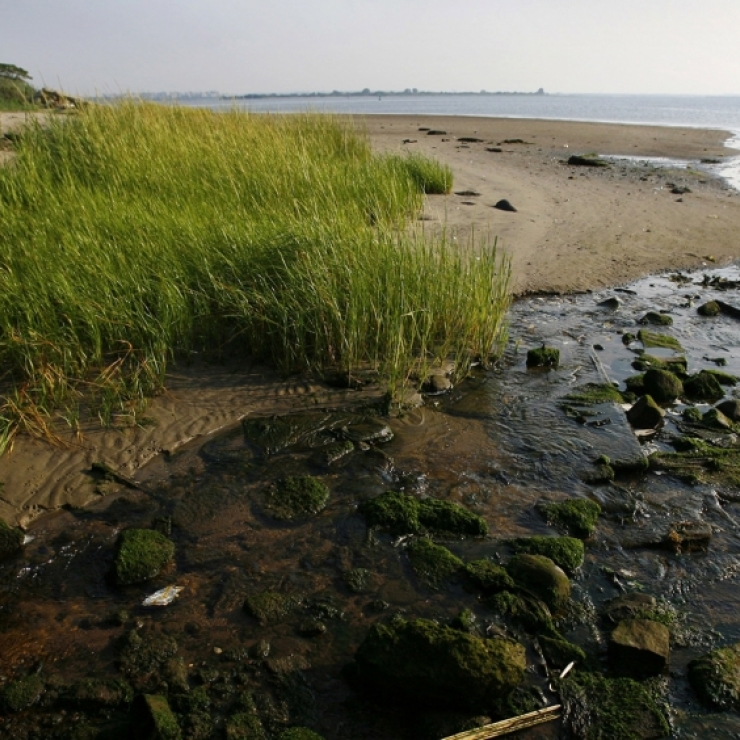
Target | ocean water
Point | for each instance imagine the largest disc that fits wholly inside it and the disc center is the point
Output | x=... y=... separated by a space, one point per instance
x=713 y=112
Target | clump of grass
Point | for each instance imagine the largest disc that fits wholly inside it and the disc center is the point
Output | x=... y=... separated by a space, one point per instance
x=133 y=235
x=430 y=176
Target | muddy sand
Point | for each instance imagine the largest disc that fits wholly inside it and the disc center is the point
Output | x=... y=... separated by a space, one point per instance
x=574 y=228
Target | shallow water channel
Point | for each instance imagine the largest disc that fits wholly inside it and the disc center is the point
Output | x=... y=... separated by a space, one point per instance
x=496 y=444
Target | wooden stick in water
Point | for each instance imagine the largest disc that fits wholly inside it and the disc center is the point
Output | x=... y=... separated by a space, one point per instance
x=507 y=726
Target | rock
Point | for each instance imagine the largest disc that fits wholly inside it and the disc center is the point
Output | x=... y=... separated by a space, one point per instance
x=689 y=537
x=370 y=431
x=467 y=193
x=543 y=357
x=141 y=554
x=715 y=419
x=559 y=652
x=11 y=540
x=357 y=580
x=611 y=304
x=505 y=205
x=296 y=497
x=525 y=611
x=269 y=607
x=423 y=663
x=680 y=190
x=639 y=648
x=578 y=516
x=435 y=132
x=20 y=694
x=156 y=718
x=645 y=413
x=470 y=139
x=576 y=160
x=651 y=339
x=495 y=149
x=434 y=565
x=710 y=308
x=311 y=628
x=730 y=408
x=703 y=386
x=244 y=725
x=655 y=318
x=542 y=577
x=663 y=386
x=437 y=515
x=599 y=708
x=715 y=677
x=437 y=384
x=629 y=606
x=565 y=552
x=487 y=577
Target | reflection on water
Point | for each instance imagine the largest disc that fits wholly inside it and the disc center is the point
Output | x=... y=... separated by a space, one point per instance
x=496 y=445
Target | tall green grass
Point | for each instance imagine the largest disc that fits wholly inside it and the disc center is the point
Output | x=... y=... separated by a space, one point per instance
x=133 y=235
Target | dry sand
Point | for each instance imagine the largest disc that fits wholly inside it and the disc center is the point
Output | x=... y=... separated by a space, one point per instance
x=574 y=229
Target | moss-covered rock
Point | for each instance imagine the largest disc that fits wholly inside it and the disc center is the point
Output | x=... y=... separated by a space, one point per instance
x=703 y=386
x=591 y=394
x=697 y=461
x=140 y=555
x=710 y=309
x=645 y=413
x=300 y=733
x=559 y=652
x=715 y=677
x=141 y=654
x=715 y=419
x=578 y=516
x=269 y=607
x=663 y=386
x=296 y=497
x=567 y=552
x=639 y=648
x=676 y=365
x=21 y=694
x=730 y=408
x=723 y=378
x=635 y=385
x=657 y=319
x=543 y=357
x=525 y=611
x=487 y=577
x=628 y=606
x=244 y=726
x=357 y=580
x=692 y=415
x=436 y=515
x=542 y=577
x=11 y=540
x=601 y=708
x=651 y=340
x=400 y=513
x=424 y=663
x=156 y=718
x=434 y=565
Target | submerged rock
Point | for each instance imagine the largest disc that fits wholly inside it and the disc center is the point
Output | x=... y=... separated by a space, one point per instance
x=269 y=607
x=487 y=577
x=599 y=708
x=542 y=577
x=141 y=554
x=652 y=339
x=715 y=677
x=639 y=648
x=296 y=497
x=577 y=516
x=428 y=664
x=543 y=357
x=434 y=565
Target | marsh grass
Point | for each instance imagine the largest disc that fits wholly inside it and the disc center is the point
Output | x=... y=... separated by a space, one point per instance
x=133 y=235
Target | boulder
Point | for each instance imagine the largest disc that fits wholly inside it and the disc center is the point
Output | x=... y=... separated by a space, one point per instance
x=505 y=205
x=629 y=606
x=141 y=554
x=663 y=386
x=710 y=308
x=657 y=319
x=715 y=677
x=543 y=357
x=703 y=386
x=542 y=577
x=486 y=577
x=566 y=552
x=436 y=384
x=639 y=648
x=715 y=419
x=730 y=408
x=645 y=413
x=434 y=565
x=423 y=663
x=559 y=652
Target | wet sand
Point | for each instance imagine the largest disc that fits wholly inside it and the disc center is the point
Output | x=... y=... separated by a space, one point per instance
x=575 y=228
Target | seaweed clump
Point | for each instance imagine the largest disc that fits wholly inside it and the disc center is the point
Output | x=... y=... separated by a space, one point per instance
x=141 y=555
x=296 y=497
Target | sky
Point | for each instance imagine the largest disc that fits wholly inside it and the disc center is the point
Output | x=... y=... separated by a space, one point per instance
x=243 y=46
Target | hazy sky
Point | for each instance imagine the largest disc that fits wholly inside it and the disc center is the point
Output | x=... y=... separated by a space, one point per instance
x=240 y=46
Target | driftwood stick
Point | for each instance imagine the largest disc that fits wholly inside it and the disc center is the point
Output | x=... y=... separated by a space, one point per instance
x=507 y=726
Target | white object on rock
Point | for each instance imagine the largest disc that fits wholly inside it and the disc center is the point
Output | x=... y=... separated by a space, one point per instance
x=162 y=597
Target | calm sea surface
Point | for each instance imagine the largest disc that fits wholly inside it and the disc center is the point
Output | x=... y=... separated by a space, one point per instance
x=715 y=112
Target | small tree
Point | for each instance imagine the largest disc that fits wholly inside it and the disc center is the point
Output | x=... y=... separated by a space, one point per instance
x=16 y=74
x=15 y=90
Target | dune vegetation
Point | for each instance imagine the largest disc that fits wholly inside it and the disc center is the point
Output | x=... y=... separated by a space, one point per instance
x=134 y=235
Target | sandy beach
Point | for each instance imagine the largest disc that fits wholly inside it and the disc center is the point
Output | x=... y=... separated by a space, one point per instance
x=575 y=228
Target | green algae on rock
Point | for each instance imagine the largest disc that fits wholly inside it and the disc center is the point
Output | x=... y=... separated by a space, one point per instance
x=543 y=357
x=142 y=654
x=244 y=726
x=663 y=386
x=541 y=576
x=655 y=318
x=11 y=540
x=559 y=652
x=425 y=663
x=599 y=708
x=566 y=552
x=715 y=677
x=141 y=554
x=487 y=577
x=709 y=309
x=676 y=365
x=525 y=611
x=21 y=694
x=269 y=607
x=578 y=516
x=157 y=717
x=639 y=648
x=698 y=461
x=703 y=386
x=645 y=413
x=652 y=339
x=296 y=497
x=98 y=693
x=434 y=565
x=437 y=515
x=591 y=394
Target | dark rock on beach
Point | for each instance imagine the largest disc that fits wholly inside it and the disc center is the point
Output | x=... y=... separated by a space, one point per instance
x=645 y=414
x=578 y=160
x=629 y=606
x=730 y=408
x=505 y=205
x=541 y=576
x=663 y=386
x=639 y=648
